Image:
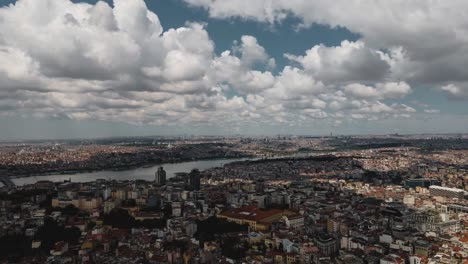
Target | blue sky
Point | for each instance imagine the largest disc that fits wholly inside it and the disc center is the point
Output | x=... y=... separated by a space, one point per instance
x=303 y=68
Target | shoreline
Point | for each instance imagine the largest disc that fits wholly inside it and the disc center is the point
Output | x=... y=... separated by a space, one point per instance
x=78 y=174
x=147 y=165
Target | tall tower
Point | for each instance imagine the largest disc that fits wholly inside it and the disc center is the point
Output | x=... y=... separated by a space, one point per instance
x=160 y=177
x=194 y=180
x=259 y=186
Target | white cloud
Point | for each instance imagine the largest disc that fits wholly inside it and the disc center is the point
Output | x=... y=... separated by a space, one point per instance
x=252 y=52
x=456 y=91
x=183 y=66
x=134 y=18
x=432 y=111
x=351 y=61
x=255 y=81
x=292 y=83
x=378 y=110
x=238 y=71
x=381 y=91
x=433 y=47
x=84 y=61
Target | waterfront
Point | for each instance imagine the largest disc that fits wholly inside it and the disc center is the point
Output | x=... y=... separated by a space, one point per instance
x=141 y=173
x=145 y=173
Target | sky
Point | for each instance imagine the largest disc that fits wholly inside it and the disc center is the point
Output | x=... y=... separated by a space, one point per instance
x=85 y=69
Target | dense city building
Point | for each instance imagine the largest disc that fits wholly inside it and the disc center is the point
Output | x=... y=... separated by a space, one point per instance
x=352 y=206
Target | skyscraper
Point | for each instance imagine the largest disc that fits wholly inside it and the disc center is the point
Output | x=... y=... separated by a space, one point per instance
x=160 y=177
x=259 y=185
x=194 y=180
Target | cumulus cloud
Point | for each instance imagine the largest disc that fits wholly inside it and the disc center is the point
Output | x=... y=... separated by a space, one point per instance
x=381 y=91
x=456 y=91
x=292 y=83
x=95 y=61
x=252 y=52
x=238 y=72
x=85 y=61
x=423 y=45
x=351 y=61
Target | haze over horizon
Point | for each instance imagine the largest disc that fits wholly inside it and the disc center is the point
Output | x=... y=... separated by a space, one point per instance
x=88 y=69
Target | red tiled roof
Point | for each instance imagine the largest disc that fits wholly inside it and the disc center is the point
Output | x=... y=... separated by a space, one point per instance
x=295 y=216
x=250 y=213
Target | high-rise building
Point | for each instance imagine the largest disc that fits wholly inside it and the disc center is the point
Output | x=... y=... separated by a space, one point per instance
x=260 y=186
x=194 y=180
x=160 y=177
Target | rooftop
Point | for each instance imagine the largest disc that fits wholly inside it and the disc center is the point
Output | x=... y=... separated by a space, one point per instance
x=250 y=213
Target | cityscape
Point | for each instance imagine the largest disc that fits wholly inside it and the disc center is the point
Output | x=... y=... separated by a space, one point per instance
x=233 y=132
x=284 y=199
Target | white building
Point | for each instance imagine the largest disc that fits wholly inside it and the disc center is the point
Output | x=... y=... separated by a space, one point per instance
x=408 y=200
x=386 y=238
x=294 y=221
x=435 y=190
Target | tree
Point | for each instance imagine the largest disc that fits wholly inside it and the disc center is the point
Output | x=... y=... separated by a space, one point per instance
x=129 y=203
x=119 y=218
x=13 y=247
x=51 y=232
x=233 y=247
x=167 y=210
x=70 y=210
x=207 y=229
x=90 y=225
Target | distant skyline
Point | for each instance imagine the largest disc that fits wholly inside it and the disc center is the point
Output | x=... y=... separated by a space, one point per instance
x=89 y=69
